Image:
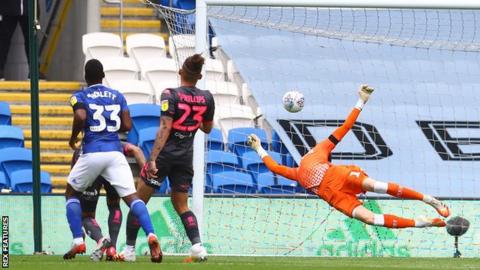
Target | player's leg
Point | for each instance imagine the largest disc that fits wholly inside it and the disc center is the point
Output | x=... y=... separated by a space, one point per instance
x=391 y=221
x=398 y=191
x=88 y=201
x=180 y=182
x=82 y=175
x=120 y=176
x=114 y=218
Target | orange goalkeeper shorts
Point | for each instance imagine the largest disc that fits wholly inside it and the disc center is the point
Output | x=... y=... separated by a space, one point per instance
x=340 y=187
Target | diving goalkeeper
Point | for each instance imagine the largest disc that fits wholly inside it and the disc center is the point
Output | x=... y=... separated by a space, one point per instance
x=338 y=185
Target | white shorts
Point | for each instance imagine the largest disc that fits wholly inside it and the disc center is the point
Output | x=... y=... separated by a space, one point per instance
x=112 y=166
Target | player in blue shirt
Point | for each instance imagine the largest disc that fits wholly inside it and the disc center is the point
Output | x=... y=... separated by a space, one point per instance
x=100 y=113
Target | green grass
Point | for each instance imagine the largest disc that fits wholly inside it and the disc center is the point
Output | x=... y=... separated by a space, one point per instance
x=256 y=263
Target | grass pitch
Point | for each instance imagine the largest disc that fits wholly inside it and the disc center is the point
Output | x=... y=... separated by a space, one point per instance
x=257 y=263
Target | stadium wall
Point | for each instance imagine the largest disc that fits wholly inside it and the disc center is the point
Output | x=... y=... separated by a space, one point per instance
x=259 y=227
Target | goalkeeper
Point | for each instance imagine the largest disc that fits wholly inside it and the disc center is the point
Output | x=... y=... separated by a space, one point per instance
x=338 y=185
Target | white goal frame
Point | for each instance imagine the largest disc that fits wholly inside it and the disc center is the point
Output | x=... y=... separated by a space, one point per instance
x=201 y=46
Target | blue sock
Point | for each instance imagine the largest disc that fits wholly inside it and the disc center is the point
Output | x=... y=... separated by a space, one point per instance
x=140 y=211
x=74 y=217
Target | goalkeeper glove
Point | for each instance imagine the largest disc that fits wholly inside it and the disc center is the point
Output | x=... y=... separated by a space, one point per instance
x=364 y=94
x=254 y=142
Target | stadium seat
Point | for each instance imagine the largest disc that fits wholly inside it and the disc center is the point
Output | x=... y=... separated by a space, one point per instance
x=119 y=68
x=233 y=182
x=237 y=139
x=13 y=159
x=181 y=46
x=223 y=92
x=142 y=47
x=220 y=161
x=214 y=70
x=143 y=116
x=159 y=87
x=22 y=181
x=146 y=139
x=278 y=146
x=5 y=114
x=164 y=187
x=248 y=98
x=233 y=116
x=11 y=136
x=251 y=162
x=159 y=71
x=135 y=91
x=215 y=140
x=101 y=45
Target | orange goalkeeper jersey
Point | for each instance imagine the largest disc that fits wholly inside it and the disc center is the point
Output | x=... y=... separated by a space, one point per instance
x=315 y=164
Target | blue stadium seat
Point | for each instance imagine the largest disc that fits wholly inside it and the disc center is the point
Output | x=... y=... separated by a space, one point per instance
x=233 y=182
x=218 y=162
x=268 y=185
x=278 y=146
x=146 y=139
x=215 y=140
x=11 y=136
x=3 y=180
x=143 y=116
x=5 y=114
x=237 y=139
x=22 y=181
x=15 y=158
x=265 y=180
x=254 y=164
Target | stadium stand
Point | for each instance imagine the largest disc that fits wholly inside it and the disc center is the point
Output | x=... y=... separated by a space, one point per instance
x=253 y=164
x=143 y=116
x=160 y=71
x=214 y=70
x=233 y=182
x=21 y=181
x=220 y=161
x=237 y=139
x=101 y=45
x=233 y=116
x=182 y=45
x=119 y=68
x=145 y=46
x=215 y=140
x=146 y=138
x=3 y=181
x=135 y=91
x=224 y=92
x=5 y=114
x=11 y=136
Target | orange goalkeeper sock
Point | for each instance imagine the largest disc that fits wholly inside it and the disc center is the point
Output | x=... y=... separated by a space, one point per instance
x=403 y=192
x=391 y=221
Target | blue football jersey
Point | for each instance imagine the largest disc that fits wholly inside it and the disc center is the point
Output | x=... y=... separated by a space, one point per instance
x=104 y=107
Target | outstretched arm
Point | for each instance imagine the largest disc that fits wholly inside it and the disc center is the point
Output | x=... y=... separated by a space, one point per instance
x=340 y=132
x=272 y=165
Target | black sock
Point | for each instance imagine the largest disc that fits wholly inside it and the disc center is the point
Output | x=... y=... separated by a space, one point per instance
x=191 y=226
x=114 y=223
x=92 y=228
x=133 y=226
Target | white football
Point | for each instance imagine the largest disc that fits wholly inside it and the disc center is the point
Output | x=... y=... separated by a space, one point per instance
x=293 y=101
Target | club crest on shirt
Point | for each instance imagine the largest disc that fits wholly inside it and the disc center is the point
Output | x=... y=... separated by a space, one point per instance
x=164 y=105
x=73 y=100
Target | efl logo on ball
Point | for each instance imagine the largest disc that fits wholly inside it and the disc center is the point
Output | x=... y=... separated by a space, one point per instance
x=293 y=101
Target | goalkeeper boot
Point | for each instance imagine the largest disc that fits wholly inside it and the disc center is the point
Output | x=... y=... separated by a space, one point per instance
x=155 y=250
x=198 y=253
x=441 y=207
x=127 y=255
x=77 y=248
x=101 y=247
x=422 y=222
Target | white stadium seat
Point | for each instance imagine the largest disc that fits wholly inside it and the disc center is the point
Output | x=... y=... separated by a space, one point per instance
x=233 y=116
x=183 y=45
x=101 y=45
x=214 y=70
x=224 y=93
x=158 y=88
x=145 y=46
x=119 y=68
x=160 y=70
x=219 y=53
x=248 y=98
x=135 y=91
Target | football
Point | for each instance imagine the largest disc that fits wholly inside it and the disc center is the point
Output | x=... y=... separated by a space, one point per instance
x=293 y=101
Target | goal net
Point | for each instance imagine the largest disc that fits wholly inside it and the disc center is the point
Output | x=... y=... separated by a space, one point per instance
x=420 y=128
